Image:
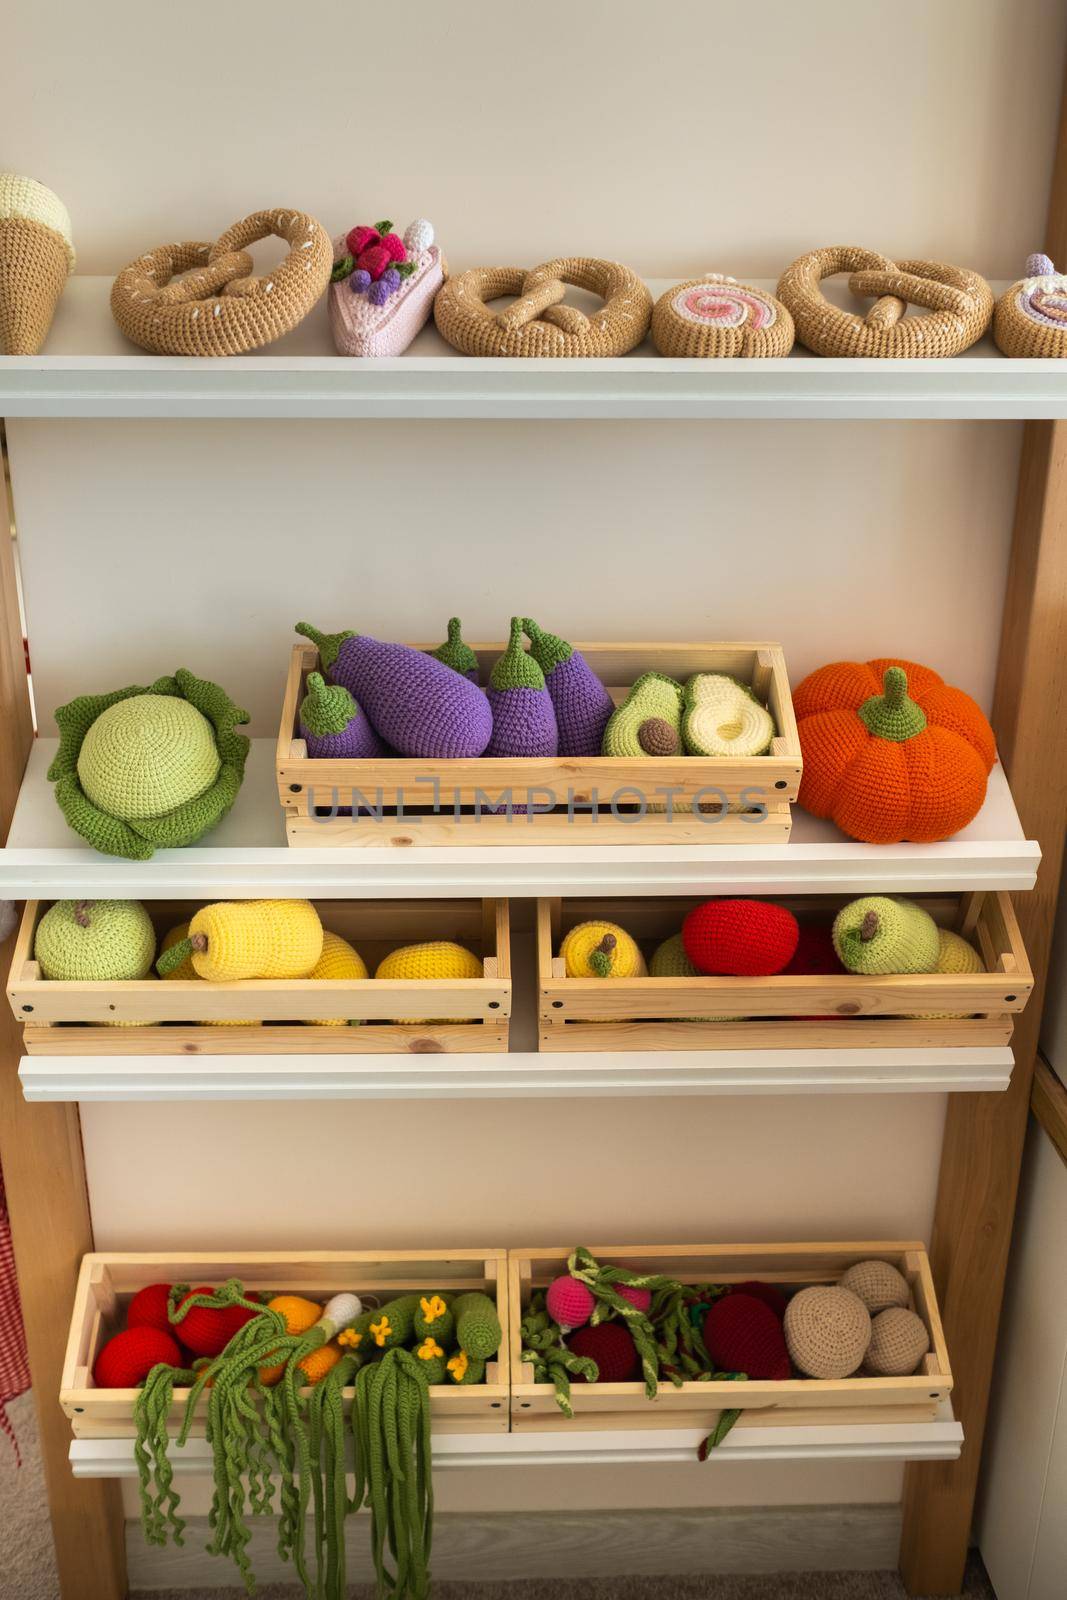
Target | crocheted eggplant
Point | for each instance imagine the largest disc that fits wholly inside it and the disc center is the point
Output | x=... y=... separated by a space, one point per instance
x=456 y=653
x=583 y=705
x=524 y=718
x=417 y=704
x=332 y=724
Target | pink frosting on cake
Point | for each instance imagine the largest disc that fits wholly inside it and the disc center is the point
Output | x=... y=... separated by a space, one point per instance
x=361 y=328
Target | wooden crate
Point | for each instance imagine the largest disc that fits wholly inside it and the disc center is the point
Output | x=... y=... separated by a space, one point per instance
x=841 y=1011
x=595 y=799
x=72 y=1018
x=107 y=1282
x=796 y=1401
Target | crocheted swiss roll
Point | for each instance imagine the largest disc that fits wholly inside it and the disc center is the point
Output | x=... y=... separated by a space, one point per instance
x=36 y=259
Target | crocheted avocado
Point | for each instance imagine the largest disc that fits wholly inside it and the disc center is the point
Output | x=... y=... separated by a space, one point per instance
x=649 y=721
x=186 y=972
x=331 y=723
x=669 y=960
x=95 y=941
x=338 y=960
x=439 y=958
x=524 y=718
x=601 y=950
x=722 y=717
x=434 y=1316
x=455 y=653
x=882 y=935
x=144 y=769
x=583 y=705
x=478 y=1331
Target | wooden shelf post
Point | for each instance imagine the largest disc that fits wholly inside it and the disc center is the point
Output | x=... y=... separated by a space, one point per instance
x=44 y=1174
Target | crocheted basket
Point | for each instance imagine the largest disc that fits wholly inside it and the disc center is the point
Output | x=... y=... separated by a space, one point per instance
x=715 y=316
x=364 y=326
x=959 y=305
x=537 y=323
x=36 y=259
x=185 y=809
x=1031 y=317
x=219 y=308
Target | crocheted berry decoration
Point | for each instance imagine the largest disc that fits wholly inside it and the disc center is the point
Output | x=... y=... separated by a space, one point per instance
x=207 y=1330
x=878 y=1284
x=611 y=1346
x=891 y=752
x=772 y=1294
x=569 y=1302
x=743 y=1334
x=740 y=938
x=128 y=1358
x=149 y=1308
x=827 y=1330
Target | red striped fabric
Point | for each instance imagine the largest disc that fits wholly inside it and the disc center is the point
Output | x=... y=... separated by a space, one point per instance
x=14 y=1364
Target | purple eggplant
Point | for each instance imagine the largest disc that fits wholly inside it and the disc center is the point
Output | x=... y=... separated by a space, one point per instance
x=583 y=706
x=456 y=653
x=332 y=723
x=524 y=720
x=417 y=704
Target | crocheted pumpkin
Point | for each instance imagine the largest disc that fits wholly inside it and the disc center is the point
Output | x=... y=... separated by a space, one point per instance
x=891 y=752
x=740 y=938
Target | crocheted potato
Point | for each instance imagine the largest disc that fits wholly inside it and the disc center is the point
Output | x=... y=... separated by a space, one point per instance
x=891 y=752
x=144 y=769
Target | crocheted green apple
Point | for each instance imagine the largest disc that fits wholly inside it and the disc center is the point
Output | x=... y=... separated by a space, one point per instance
x=881 y=934
x=142 y=769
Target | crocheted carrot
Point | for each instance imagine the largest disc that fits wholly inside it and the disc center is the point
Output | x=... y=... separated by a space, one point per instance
x=417 y=704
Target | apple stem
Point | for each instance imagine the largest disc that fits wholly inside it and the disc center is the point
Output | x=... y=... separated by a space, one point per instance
x=81 y=913
x=869 y=926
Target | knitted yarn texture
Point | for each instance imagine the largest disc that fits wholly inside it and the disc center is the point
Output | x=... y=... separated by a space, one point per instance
x=36 y=258
x=715 y=316
x=537 y=323
x=959 y=305
x=743 y=1334
x=436 y=959
x=740 y=938
x=199 y=299
x=878 y=1284
x=649 y=721
x=139 y=755
x=669 y=960
x=332 y=724
x=722 y=717
x=524 y=718
x=881 y=935
x=899 y=1340
x=1030 y=319
x=383 y=322
x=456 y=653
x=827 y=1330
x=339 y=960
x=235 y=940
x=95 y=941
x=582 y=703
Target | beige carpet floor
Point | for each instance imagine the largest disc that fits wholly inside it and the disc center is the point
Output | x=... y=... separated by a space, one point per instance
x=27 y=1566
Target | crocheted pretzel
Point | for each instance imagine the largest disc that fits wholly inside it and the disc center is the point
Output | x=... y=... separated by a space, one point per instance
x=537 y=323
x=198 y=299
x=959 y=305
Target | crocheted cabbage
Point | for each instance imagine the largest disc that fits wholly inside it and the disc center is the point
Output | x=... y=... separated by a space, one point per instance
x=138 y=837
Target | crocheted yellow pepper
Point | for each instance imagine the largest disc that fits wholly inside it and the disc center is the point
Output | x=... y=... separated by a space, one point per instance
x=185 y=970
x=438 y=959
x=300 y=1315
x=601 y=950
x=338 y=960
x=236 y=940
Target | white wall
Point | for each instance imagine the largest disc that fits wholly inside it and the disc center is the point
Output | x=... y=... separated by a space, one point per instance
x=694 y=138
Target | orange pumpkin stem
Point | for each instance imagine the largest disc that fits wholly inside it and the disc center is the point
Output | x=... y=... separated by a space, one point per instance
x=893 y=714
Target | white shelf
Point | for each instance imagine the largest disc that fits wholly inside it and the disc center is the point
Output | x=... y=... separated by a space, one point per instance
x=939 y=1440
x=523 y=1075
x=89 y=370
x=246 y=856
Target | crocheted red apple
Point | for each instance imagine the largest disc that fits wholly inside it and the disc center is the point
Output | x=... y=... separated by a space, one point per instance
x=128 y=1358
x=149 y=1308
x=207 y=1330
x=743 y=1334
x=608 y=1344
x=740 y=938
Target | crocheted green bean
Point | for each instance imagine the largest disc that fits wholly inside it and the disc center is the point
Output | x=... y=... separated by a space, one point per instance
x=478 y=1331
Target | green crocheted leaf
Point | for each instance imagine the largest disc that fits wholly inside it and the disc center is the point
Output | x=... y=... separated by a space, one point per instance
x=137 y=840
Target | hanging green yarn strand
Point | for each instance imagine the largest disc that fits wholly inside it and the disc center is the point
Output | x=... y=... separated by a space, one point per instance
x=601 y=1281
x=391 y=1427
x=542 y=1348
x=151 y=1412
x=328 y=1397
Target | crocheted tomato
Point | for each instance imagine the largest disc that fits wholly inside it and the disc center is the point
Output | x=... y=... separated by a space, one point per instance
x=149 y=1309
x=128 y=1358
x=207 y=1330
x=743 y=1334
x=611 y=1346
x=740 y=938
x=891 y=752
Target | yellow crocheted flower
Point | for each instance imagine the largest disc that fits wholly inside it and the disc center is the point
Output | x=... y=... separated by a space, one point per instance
x=350 y=1338
x=433 y=1308
x=381 y=1330
x=458 y=1365
x=429 y=1348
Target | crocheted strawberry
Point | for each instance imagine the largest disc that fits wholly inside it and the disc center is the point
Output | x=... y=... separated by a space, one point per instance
x=743 y=1334
x=610 y=1345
